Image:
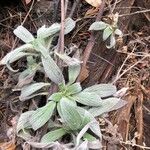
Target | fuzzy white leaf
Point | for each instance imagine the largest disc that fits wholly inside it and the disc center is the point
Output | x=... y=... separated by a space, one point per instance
x=107 y=32
x=23 y=121
x=44 y=32
x=107 y=105
x=40 y=48
x=118 y=32
x=68 y=60
x=23 y=34
x=87 y=98
x=69 y=25
x=52 y=70
x=70 y=115
x=28 y=90
x=53 y=135
x=42 y=115
x=12 y=55
x=88 y=117
x=73 y=72
x=74 y=88
x=56 y=97
x=112 y=42
x=99 y=25
x=103 y=90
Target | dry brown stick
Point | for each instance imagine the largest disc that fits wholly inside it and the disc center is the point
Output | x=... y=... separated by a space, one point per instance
x=139 y=117
x=75 y=4
x=91 y=42
x=62 y=26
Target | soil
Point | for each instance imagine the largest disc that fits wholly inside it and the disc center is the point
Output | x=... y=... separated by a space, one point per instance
x=132 y=122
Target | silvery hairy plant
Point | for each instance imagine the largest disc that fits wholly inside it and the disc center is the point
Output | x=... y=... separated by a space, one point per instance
x=38 y=52
x=109 y=30
x=72 y=109
x=76 y=108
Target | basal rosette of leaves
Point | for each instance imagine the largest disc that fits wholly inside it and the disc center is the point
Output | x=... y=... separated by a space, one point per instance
x=74 y=119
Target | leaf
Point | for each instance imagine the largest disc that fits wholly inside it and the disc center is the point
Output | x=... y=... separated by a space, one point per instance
x=11 y=56
x=53 y=135
x=74 y=88
x=23 y=121
x=42 y=115
x=121 y=92
x=23 y=34
x=87 y=98
x=68 y=60
x=106 y=106
x=52 y=70
x=83 y=131
x=69 y=25
x=88 y=117
x=50 y=145
x=44 y=32
x=118 y=32
x=82 y=146
x=28 y=90
x=99 y=25
x=25 y=77
x=103 y=90
x=56 y=97
x=107 y=32
x=17 y=57
x=20 y=55
x=40 y=48
x=73 y=72
x=25 y=134
x=112 y=42
x=94 y=3
x=89 y=137
x=69 y=114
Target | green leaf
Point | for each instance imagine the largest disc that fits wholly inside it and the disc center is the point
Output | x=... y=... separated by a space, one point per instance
x=53 y=135
x=88 y=137
x=56 y=97
x=69 y=25
x=42 y=115
x=44 y=32
x=23 y=121
x=106 y=106
x=38 y=46
x=103 y=90
x=52 y=70
x=73 y=72
x=87 y=117
x=107 y=32
x=98 y=25
x=74 y=88
x=70 y=115
x=112 y=42
x=12 y=56
x=28 y=90
x=87 y=98
x=118 y=32
x=23 y=34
